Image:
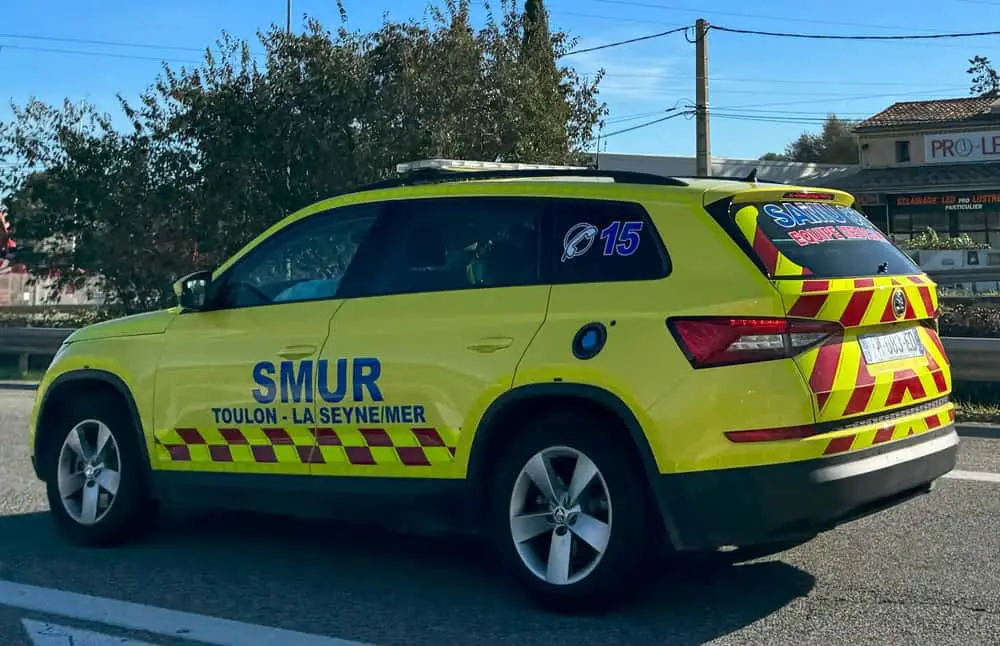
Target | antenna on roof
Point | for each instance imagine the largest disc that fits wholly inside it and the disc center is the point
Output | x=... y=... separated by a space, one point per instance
x=752 y=177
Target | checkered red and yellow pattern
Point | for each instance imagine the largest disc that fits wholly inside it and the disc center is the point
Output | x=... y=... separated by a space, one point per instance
x=843 y=384
x=857 y=302
x=893 y=430
x=410 y=447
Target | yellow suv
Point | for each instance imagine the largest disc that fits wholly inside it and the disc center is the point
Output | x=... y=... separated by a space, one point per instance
x=586 y=366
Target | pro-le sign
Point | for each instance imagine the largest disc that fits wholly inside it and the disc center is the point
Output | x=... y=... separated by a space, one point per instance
x=962 y=147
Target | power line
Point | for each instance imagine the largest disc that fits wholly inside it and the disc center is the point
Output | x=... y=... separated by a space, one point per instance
x=779 y=34
x=769 y=119
x=633 y=117
x=827 y=100
x=107 y=43
x=81 y=52
x=593 y=16
x=655 y=90
x=627 y=42
x=646 y=125
x=749 y=79
x=702 y=11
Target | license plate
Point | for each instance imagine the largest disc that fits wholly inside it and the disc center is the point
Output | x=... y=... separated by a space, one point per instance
x=879 y=348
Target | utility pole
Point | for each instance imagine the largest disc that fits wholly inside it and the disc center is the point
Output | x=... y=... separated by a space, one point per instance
x=703 y=137
x=288 y=18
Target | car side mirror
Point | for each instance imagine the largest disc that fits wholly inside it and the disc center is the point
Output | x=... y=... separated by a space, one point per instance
x=192 y=290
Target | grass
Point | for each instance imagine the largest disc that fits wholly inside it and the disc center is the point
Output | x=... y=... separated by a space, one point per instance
x=977 y=412
x=9 y=371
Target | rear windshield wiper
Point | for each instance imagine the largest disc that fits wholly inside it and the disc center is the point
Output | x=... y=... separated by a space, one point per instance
x=883 y=268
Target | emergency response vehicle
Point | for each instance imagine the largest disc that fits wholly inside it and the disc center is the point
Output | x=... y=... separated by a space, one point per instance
x=589 y=367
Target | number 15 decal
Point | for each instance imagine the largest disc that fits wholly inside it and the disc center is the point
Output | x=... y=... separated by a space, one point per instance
x=621 y=238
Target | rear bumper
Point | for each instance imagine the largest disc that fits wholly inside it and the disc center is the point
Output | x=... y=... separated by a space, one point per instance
x=774 y=503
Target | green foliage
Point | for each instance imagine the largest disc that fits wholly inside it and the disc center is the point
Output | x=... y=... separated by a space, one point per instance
x=835 y=144
x=981 y=320
x=985 y=81
x=218 y=152
x=930 y=240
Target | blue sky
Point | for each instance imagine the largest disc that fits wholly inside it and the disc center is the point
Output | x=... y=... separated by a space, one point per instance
x=765 y=91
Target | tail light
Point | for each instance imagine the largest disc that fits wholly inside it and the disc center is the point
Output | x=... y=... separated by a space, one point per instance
x=721 y=341
x=808 y=195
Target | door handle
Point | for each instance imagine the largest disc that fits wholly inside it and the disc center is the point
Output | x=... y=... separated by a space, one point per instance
x=491 y=344
x=297 y=351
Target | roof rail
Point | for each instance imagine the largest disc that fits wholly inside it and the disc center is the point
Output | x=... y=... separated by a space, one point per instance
x=438 y=176
x=732 y=178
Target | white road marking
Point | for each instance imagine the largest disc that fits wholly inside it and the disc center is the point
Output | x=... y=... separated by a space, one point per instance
x=158 y=621
x=980 y=476
x=47 y=634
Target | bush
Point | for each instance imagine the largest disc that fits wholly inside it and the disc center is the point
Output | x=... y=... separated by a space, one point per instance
x=930 y=240
x=975 y=320
x=53 y=319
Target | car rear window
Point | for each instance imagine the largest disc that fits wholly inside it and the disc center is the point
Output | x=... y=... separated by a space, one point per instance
x=828 y=240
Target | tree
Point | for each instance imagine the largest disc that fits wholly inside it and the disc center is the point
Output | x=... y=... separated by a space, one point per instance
x=218 y=152
x=985 y=81
x=835 y=144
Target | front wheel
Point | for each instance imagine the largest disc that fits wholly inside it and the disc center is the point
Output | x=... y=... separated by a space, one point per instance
x=94 y=477
x=569 y=513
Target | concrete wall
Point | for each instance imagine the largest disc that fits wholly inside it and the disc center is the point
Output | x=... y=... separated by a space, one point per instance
x=791 y=172
x=881 y=150
x=878 y=149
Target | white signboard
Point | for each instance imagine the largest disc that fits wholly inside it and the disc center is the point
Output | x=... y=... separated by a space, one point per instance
x=950 y=148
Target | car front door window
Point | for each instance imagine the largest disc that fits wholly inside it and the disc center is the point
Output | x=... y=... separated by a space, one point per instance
x=305 y=262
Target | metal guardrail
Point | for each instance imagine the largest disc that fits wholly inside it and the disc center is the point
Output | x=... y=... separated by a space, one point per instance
x=25 y=342
x=46 y=309
x=952 y=276
x=968 y=299
x=972 y=359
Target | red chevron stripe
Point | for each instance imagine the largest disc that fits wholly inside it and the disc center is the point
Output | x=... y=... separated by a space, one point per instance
x=904 y=381
x=925 y=296
x=938 y=344
x=937 y=373
x=884 y=434
x=864 y=384
x=765 y=250
x=856 y=308
x=825 y=370
x=839 y=445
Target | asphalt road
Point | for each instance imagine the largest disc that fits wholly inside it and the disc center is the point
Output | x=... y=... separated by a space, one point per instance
x=924 y=573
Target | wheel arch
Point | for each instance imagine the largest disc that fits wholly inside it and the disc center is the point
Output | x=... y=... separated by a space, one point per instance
x=74 y=384
x=524 y=401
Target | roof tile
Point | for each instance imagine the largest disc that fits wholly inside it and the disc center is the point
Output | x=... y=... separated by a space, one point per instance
x=908 y=113
x=941 y=177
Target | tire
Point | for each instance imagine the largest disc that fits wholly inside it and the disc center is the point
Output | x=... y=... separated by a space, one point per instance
x=594 y=581
x=116 y=517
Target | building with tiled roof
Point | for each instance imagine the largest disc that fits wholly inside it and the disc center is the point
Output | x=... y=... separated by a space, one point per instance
x=931 y=163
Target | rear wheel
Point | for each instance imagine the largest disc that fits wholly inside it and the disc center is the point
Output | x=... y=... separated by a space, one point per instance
x=568 y=512
x=94 y=477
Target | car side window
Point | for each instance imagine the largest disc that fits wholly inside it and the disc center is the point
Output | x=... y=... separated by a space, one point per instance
x=304 y=262
x=446 y=244
x=596 y=241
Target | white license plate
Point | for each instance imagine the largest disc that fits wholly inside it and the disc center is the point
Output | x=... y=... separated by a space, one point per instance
x=879 y=348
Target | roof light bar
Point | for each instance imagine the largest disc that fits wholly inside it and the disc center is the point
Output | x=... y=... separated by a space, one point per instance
x=470 y=165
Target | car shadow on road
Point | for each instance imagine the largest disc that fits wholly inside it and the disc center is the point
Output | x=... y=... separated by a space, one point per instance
x=378 y=587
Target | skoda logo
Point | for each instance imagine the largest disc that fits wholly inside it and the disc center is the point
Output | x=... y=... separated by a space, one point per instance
x=898 y=303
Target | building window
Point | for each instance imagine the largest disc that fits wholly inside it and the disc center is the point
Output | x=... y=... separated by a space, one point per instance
x=903 y=151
